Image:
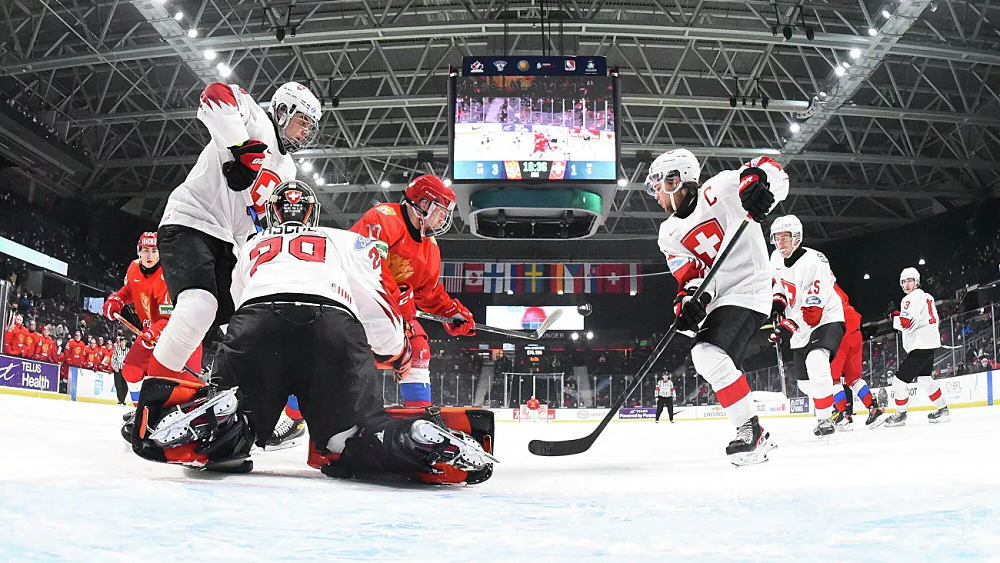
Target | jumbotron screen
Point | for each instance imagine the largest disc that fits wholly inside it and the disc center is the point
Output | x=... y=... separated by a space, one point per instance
x=519 y=317
x=535 y=128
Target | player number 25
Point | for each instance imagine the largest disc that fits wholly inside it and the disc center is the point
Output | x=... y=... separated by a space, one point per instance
x=308 y=248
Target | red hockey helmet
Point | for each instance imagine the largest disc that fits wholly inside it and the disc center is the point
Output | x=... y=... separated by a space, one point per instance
x=147 y=238
x=533 y=318
x=440 y=207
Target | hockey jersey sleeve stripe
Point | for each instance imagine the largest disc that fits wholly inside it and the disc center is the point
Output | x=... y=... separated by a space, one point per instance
x=690 y=270
x=218 y=93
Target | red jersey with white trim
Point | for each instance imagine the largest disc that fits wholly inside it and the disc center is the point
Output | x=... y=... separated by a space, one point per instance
x=148 y=293
x=918 y=321
x=47 y=351
x=31 y=340
x=807 y=282
x=330 y=263
x=691 y=244
x=75 y=353
x=414 y=263
x=204 y=201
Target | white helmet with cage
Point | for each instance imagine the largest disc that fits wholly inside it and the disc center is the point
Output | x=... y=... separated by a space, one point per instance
x=671 y=165
x=787 y=224
x=910 y=273
x=289 y=100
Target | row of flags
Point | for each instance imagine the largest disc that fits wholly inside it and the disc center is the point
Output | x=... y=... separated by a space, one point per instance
x=504 y=277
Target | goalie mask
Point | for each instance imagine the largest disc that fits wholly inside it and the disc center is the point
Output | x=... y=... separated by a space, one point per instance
x=296 y=112
x=433 y=201
x=292 y=203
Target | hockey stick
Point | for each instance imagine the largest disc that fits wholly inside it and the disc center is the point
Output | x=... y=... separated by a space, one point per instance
x=580 y=445
x=138 y=333
x=781 y=367
x=537 y=334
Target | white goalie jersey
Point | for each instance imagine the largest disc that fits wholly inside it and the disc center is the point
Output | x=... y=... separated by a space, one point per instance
x=807 y=284
x=204 y=201
x=332 y=264
x=918 y=321
x=691 y=244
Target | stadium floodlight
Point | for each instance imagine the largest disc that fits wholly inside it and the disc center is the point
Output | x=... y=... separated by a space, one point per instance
x=794 y=127
x=622 y=182
x=855 y=53
x=385 y=184
x=867 y=277
x=575 y=336
x=839 y=71
x=192 y=33
x=872 y=31
x=179 y=15
x=590 y=335
x=307 y=166
x=921 y=262
x=223 y=69
x=210 y=55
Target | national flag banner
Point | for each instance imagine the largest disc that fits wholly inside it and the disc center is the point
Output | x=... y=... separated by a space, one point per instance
x=473 y=278
x=572 y=277
x=496 y=277
x=453 y=278
x=532 y=273
x=592 y=278
x=556 y=278
x=634 y=278
x=516 y=278
x=614 y=278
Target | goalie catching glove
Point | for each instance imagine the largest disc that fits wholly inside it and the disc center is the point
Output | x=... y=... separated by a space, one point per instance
x=241 y=172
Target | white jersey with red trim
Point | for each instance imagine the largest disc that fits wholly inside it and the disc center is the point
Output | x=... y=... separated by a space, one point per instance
x=330 y=263
x=807 y=283
x=918 y=321
x=204 y=201
x=691 y=244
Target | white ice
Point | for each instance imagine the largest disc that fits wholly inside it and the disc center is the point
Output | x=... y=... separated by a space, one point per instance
x=70 y=491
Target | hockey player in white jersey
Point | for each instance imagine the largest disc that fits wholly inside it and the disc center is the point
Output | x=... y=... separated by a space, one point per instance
x=809 y=313
x=216 y=206
x=702 y=221
x=314 y=305
x=917 y=320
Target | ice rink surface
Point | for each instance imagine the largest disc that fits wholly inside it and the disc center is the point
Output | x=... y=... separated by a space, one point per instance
x=69 y=491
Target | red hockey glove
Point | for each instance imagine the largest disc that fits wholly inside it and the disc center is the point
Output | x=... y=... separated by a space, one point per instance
x=755 y=193
x=151 y=335
x=399 y=364
x=112 y=306
x=464 y=327
x=893 y=315
x=407 y=305
x=241 y=172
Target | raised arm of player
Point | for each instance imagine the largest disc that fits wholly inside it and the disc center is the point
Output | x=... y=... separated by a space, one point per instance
x=223 y=109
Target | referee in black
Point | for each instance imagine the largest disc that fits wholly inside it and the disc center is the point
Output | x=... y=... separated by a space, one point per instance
x=665 y=395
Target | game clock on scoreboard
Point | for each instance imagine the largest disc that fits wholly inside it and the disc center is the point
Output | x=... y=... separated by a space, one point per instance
x=538 y=170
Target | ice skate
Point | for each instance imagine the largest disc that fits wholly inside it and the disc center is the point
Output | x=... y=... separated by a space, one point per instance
x=197 y=420
x=876 y=417
x=897 y=419
x=751 y=444
x=824 y=428
x=940 y=415
x=841 y=421
x=288 y=433
x=452 y=447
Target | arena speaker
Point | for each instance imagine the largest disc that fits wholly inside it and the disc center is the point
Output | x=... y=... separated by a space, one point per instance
x=534 y=147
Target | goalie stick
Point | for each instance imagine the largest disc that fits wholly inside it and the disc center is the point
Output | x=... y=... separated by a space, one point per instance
x=537 y=334
x=580 y=445
x=138 y=333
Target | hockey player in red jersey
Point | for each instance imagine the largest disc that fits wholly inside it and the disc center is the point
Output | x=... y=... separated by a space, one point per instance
x=314 y=304
x=46 y=351
x=541 y=145
x=75 y=351
x=92 y=355
x=409 y=228
x=213 y=210
x=31 y=339
x=13 y=338
x=145 y=289
x=702 y=220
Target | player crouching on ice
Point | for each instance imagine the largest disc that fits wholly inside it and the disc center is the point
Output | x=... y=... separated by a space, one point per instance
x=917 y=320
x=737 y=301
x=312 y=307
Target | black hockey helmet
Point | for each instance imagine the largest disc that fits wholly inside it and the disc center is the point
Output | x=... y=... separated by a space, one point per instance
x=292 y=202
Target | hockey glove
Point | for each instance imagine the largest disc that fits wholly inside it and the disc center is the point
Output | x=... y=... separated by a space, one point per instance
x=466 y=326
x=151 y=335
x=690 y=313
x=399 y=364
x=778 y=304
x=755 y=193
x=407 y=305
x=783 y=331
x=241 y=172
x=113 y=306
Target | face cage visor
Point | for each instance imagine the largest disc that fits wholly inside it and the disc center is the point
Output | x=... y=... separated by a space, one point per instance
x=657 y=180
x=310 y=124
x=437 y=212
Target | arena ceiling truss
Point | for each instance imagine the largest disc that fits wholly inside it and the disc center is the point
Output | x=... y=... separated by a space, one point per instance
x=907 y=128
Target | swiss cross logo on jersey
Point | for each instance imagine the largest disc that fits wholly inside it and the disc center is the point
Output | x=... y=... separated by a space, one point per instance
x=262 y=188
x=293 y=196
x=704 y=240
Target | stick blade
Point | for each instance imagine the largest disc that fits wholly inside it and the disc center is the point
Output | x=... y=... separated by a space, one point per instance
x=560 y=448
x=548 y=322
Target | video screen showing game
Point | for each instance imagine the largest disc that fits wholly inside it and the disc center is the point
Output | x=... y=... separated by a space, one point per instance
x=535 y=128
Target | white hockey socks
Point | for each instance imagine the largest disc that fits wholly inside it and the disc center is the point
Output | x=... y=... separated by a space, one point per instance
x=820 y=384
x=901 y=393
x=192 y=317
x=729 y=384
x=933 y=391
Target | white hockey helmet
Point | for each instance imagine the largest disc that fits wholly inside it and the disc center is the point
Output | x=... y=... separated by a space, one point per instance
x=909 y=274
x=293 y=98
x=787 y=224
x=678 y=163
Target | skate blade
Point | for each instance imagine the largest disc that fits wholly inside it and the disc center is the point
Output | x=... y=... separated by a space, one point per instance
x=876 y=423
x=179 y=430
x=469 y=450
x=286 y=444
x=941 y=420
x=755 y=457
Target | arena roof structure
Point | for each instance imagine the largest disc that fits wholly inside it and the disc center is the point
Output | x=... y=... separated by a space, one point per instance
x=884 y=112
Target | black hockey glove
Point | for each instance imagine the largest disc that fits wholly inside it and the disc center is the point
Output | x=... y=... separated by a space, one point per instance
x=755 y=193
x=778 y=304
x=690 y=313
x=783 y=330
x=241 y=172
